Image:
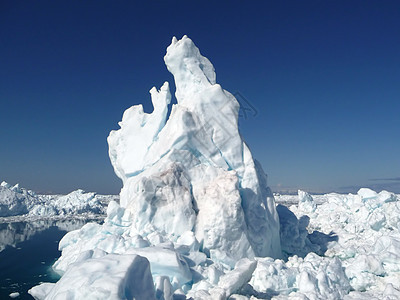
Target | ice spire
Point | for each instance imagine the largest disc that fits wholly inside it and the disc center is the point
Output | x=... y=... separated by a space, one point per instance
x=193 y=172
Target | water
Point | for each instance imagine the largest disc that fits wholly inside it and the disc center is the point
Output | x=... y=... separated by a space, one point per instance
x=27 y=252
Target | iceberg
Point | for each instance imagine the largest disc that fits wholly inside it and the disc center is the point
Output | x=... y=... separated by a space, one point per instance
x=196 y=219
x=17 y=203
x=110 y=277
x=15 y=200
x=192 y=196
x=14 y=295
x=193 y=172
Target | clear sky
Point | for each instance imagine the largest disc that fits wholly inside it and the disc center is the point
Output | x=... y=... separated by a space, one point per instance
x=320 y=81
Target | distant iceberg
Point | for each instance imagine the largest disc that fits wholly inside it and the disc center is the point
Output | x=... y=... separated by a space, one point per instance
x=16 y=201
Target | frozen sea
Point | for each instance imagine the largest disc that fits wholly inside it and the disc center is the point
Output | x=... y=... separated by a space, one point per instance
x=27 y=251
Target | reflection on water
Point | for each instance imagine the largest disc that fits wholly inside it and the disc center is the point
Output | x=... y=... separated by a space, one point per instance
x=27 y=251
x=13 y=233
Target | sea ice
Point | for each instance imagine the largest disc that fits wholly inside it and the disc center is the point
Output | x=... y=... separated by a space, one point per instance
x=182 y=160
x=363 y=231
x=314 y=277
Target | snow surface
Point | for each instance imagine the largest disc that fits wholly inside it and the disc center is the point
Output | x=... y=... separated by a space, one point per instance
x=196 y=219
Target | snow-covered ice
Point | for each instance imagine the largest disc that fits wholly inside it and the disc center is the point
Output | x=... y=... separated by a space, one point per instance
x=196 y=219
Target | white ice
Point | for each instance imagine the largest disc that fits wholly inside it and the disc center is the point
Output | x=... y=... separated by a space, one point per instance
x=361 y=230
x=23 y=205
x=15 y=200
x=102 y=277
x=182 y=167
x=14 y=295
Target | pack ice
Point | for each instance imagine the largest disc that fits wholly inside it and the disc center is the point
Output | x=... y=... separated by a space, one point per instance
x=196 y=219
x=362 y=231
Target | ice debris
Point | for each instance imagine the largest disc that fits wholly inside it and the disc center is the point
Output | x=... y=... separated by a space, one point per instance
x=361 y=230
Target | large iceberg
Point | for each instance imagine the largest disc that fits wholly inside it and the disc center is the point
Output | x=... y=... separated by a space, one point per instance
x=194 y=173
x=196 y=219
x=194 y=202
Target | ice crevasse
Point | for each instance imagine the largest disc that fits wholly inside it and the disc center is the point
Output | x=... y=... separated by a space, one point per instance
x=194 y=202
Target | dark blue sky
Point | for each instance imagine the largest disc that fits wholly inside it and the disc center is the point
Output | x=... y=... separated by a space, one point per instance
x=323 y=77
